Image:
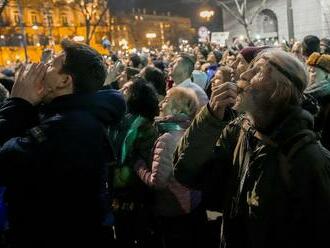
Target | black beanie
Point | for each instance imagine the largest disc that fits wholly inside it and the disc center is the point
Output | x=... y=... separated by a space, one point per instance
x=310 y=44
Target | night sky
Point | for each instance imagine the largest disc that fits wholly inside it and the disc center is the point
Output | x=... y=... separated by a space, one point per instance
x=185 y=8
x=175 y=6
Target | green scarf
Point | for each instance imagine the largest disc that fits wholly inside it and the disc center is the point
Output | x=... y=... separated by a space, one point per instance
x=164 y=127
x=131 y=136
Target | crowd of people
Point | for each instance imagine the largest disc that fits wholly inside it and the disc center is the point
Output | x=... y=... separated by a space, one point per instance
x=133 y=150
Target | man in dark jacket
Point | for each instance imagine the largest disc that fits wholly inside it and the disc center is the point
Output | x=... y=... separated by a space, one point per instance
x=274 y=177
x=53 y=159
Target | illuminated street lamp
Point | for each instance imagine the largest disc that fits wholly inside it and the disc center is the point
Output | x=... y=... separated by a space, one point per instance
x=206 y=14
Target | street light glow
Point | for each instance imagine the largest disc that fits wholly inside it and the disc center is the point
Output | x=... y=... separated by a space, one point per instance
x=206 y=14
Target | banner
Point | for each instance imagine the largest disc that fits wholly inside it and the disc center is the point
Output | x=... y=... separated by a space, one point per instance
x=219 y=38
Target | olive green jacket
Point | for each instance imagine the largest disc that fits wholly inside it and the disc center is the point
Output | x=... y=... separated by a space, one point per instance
x=271 y=194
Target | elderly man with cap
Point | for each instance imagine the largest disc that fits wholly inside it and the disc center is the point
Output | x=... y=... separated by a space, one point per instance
x=319 y=88
x=181 y=72
x=273 y=176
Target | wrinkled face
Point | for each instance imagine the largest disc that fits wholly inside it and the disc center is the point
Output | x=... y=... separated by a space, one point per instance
x=54 y=76
x=255 y=87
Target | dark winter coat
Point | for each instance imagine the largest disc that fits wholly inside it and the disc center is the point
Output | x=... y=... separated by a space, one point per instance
x=321 y=92
x=53 y=163
x=268 y=200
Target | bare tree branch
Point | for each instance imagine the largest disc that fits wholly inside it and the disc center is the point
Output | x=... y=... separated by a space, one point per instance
x=98 y=23
x=237 y=17
x=238 y=7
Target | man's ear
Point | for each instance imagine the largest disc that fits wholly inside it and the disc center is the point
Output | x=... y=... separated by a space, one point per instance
x=66 y=82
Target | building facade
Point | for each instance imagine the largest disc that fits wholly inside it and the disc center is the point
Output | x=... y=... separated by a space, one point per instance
x=284 y=19
x=46 y=23
x=142 y=27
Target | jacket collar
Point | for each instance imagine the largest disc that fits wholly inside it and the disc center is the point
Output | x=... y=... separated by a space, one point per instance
x=106 y=105
x=296 y=120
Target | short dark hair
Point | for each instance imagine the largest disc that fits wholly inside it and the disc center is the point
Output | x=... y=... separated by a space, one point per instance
x=142 y=99
x=85 y=65
x=310 y=44
x=136 y=60
x=157 y=78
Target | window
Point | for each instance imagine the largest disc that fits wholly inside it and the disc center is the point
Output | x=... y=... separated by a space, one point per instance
x=16 y=18
x=268 y=21
x=64 y=20
x=50 y=20
x=34 y=18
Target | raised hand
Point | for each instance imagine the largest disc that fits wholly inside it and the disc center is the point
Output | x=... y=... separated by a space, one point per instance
x=29 y=83
x=222 y=97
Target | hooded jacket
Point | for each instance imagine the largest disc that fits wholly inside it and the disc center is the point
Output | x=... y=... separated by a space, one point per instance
x=53 y=163
x=267 y=201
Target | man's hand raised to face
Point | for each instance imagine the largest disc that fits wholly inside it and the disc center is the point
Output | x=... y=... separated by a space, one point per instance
x=29 y=83
x=222 y=97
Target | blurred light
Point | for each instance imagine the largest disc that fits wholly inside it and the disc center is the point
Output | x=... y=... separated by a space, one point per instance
x=123 y=43
x=258 y=36
x=78 y=38
x=2 y=36
x=35 y=27
x=241 y=37
x=206 y=14
x=151 y=35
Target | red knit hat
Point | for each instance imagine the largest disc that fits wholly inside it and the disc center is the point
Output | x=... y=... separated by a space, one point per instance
x=249 y=53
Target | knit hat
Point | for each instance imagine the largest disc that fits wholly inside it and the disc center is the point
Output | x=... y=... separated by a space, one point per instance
x=310 y=44
x=249 y=53
x=321 y=61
